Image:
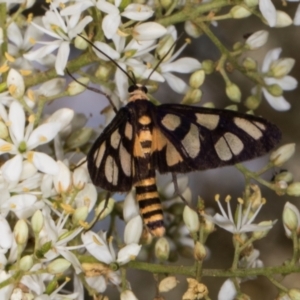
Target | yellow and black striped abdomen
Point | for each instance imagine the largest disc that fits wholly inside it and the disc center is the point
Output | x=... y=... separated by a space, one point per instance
x=150 y=206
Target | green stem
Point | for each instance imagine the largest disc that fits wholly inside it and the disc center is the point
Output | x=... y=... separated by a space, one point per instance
x=253 y=175
x=190 y=13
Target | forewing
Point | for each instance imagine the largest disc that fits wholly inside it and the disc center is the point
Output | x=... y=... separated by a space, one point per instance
x=194 y=138
x=110 y=161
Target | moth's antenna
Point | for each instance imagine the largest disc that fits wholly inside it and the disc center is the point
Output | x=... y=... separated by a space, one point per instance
x=94 y=90
x=156 y=67
x=88 y=41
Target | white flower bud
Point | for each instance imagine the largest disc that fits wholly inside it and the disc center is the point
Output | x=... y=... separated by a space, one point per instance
x=192 y=96
x=103 y=72
x=291 y=218
x=37 y=222
x=133 y=230
x=80 y=43
x=284 y=176
x=252 y=102
x=208 y=66
x=108 y=209
x=239 y=12
x=249 y=63
x=128 y=295
x=293 y=189
x=57 y=266
x=251 y=3
x=80 y=214
x=197 y=79
x=75 y=88
x=79 y=137
x=282 y=67
x=275 y=90
x=257 y=39
x=162 y=249
x=294 y=294
x=191 y=219
x=26 y=263
x=199 y=251
x=21 y=232
x=164 y=46
x=282 y=19
x=233 y=92
x=167 y=284
x=192 y=29
x=282 y=154
x=261 y=234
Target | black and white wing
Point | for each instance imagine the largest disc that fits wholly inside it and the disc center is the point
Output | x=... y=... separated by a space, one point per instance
x=193 y=138
x=110 y=160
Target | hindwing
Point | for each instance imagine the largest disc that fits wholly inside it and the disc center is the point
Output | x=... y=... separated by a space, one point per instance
x=110 y=160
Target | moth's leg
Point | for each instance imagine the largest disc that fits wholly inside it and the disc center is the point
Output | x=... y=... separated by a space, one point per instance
x=177 y=192
x=100 y=213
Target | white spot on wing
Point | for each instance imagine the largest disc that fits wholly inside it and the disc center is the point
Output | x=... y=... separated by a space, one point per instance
x=172 y=155
x=98 y=155
x=125 y=159
x=115 y=139
x=223 y=150
x=248 y=127
x=260 y=125
x=111 y=170
x=128 y=131
x=191 y=141
x=235 y=144
x=209 y=121
x=171 y=122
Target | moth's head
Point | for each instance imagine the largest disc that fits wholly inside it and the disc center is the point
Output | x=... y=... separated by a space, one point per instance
x=137 y=92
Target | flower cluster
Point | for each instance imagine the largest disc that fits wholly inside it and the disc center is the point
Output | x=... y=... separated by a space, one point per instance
x=47 y=198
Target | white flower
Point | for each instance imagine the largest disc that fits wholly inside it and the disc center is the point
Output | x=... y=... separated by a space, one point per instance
x=251 y=260
x=286 y=82
x=22 y=42
x=112 y=20
x=136 y=50
x=227 y=290
x=63 y=30
x=291 y=219
x=59 y=238
x=243 y=222
x=97 y=246
x=25 y=139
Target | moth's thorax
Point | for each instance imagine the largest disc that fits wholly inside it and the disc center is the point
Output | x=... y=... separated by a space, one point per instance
x=137 y=94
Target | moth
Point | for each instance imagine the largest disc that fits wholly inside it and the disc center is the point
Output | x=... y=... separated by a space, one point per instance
x=143 y=138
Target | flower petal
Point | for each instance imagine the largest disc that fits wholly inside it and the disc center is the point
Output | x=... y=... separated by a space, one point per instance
x=268 y=11
x=96 y=245
x=109 y=51
x=6 y=234
x=11 y=169
x=287 y=83
x=270 y=56
x=278 y=103
x=44 y=163
x=227 y=290
x=148 y=31
x=177 y=84
x=14 y=34
x=133 y=230
x=14 y=78
x=63 y=116
x=137 y=12
x=110 y=25
x=182 y=65
x=62 y=57
x=128 y=253
x=43 y=134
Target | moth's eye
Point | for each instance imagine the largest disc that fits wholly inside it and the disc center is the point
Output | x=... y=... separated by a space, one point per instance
x=144 y=89
x=132 y=88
